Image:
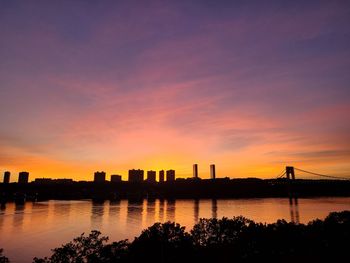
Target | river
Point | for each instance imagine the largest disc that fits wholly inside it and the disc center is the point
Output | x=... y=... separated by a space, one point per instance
x=33 y=229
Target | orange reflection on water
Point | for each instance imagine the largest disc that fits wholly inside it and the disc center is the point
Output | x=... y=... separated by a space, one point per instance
x=38 y=227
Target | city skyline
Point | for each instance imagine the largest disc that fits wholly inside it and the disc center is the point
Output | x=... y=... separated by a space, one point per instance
x=251 y=87
x=101 y=176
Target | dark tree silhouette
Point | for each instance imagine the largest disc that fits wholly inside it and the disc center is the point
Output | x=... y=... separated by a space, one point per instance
x=86 y=249
x=214 y=231
x=166 y=242
x=3 y=259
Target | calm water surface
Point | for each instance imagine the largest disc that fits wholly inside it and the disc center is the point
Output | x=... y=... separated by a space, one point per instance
x=33 y=229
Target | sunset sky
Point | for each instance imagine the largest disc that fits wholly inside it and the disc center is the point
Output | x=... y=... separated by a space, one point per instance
x=251 y=86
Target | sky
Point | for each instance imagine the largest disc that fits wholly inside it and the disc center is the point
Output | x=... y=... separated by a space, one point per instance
x=251 y=86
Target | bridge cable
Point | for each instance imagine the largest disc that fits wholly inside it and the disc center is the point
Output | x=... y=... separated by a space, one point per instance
x=322 y=175
x=281 y=174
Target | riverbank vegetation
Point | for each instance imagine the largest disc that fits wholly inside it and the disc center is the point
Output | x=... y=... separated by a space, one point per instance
x=216 y=240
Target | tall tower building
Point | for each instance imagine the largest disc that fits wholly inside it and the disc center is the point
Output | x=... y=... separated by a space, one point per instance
x=161 y=176
x=99 y=177
x=212 y=171
x=7 y=175
x=23 y=177
x=170 y=175
x=136 y=175
x=151 y=176
x=195 y=171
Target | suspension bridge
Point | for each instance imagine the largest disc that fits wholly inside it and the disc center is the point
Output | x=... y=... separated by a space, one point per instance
x=290 y=173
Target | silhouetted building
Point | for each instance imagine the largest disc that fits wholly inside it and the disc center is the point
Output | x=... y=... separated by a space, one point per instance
x=99 y=177
x=43 y=181
x=212 y=171
x=63 y=181
x=7 y=175
x=161 y=176
x=195 y=170
x=23 y=177
x=53 y=181
x=136 y=175
x=151 y=176
x=170 y=175
x=116 y=178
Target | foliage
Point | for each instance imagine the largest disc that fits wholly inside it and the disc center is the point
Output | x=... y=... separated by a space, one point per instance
x=85 y=250
x=224 y=231
x=3 y=259
x=166 y=242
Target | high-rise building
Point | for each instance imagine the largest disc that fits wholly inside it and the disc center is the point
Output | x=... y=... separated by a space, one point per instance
x=195 y=171
x=23 y=177
x=7 y=175
x=99 y=177
x=136 y=175
x=116 y=178
x=170 y=175
x=161 y=176
x=212 y=171
x=151 y=176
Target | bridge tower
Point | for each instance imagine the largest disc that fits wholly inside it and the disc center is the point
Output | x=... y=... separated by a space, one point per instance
x=290 y=172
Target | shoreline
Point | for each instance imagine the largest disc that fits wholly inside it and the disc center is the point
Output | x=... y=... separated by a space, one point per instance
x=179 y=189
